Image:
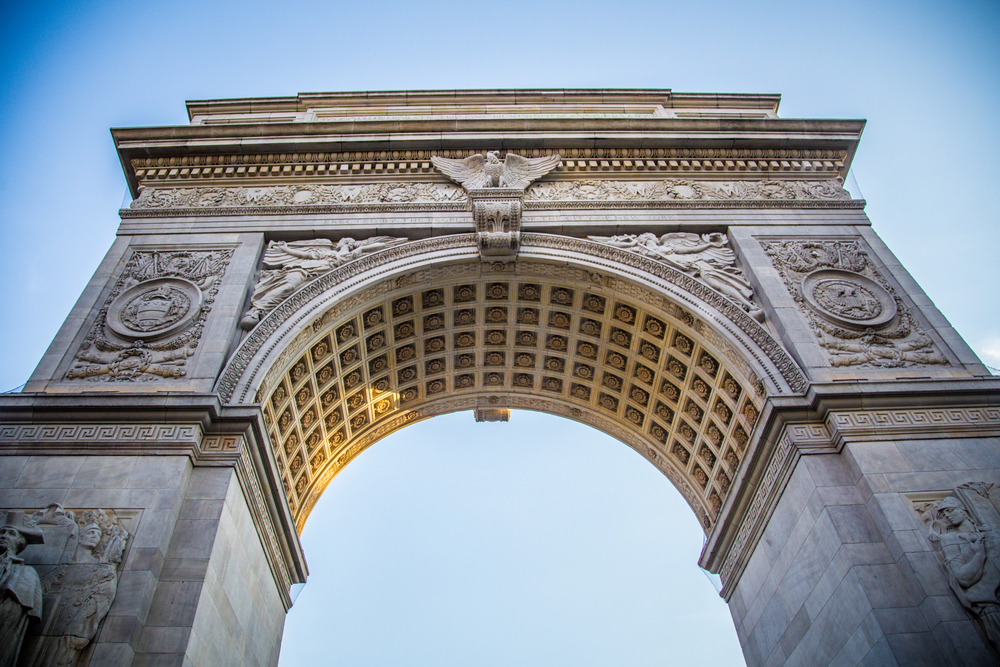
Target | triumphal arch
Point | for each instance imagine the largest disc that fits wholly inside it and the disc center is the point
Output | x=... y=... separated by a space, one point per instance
x=298 y=277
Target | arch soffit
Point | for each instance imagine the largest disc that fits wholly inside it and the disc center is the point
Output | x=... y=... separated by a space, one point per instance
x=675 y=370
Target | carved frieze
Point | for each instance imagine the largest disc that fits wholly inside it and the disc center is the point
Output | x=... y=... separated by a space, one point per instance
x=61 y=569
x=288 y=266
x=683 y=189
x=704 y=256
x=296 y=195
x=153 y=319
x=851 y=308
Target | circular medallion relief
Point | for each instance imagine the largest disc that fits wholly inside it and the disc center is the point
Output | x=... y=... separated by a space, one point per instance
x=154 y=309
x=848 y=298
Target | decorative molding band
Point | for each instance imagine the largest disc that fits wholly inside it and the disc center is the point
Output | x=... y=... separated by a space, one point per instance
x=403 y=197
x=752 y=524
x=253 y=493
x=102 y=435
x=673 y=190
x=660 y=204
x=410 y=163
x=829 y=437
x=914 y=423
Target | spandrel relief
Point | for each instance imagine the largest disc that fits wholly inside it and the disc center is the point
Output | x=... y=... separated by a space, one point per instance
x=153 y=319
x=288 y=266
x=854 y=312
x=59 y=576
x=962 y=526
x=704 y=256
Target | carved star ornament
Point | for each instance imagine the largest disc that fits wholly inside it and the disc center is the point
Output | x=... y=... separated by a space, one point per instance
x=478 y=171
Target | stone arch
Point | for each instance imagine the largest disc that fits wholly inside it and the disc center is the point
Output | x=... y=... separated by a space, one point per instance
x=574 y=328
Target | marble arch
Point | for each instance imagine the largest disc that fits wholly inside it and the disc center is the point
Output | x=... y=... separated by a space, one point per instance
x=297 y=277
x=635 y=349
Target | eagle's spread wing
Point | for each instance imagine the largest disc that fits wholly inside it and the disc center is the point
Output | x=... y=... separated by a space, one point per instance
x=469 y=173
x=519 y=172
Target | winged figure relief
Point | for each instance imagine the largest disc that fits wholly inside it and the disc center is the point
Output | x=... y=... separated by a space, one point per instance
x=704 y=256
x=478 y=171
x=288 y=266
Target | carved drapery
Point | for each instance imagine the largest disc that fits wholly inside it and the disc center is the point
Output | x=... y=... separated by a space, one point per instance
x=704 y=256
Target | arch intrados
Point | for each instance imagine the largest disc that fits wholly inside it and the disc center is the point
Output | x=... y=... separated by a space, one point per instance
x=377 y=378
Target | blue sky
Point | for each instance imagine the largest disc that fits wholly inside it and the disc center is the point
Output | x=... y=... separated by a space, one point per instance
x=924 y=74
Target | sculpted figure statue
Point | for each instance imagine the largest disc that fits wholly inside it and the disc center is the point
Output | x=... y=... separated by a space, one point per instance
x=20 y=588
x=971 y=561
x=705 y=256
x=78 y=594
x=288 y=266
x=477 y=171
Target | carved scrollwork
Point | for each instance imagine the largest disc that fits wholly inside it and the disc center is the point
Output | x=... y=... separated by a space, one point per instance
x=153 y=319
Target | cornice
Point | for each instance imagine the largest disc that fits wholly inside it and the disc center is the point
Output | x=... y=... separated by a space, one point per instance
x=414 y=165
x=778 y=144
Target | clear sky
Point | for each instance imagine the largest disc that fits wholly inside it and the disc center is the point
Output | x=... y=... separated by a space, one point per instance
x=926 y=75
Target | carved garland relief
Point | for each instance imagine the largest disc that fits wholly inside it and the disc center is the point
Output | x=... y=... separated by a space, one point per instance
x=153 y=319
x=851 y=308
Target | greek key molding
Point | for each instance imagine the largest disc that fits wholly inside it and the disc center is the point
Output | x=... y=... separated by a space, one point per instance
x=101 y=433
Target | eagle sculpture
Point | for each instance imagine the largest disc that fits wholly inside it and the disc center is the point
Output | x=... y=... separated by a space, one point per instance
x=477 y=171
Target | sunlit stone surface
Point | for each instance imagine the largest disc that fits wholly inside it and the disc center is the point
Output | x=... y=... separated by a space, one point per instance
x=297 y=278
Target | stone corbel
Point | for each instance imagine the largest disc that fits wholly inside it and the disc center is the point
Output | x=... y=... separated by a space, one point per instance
x=497 y=214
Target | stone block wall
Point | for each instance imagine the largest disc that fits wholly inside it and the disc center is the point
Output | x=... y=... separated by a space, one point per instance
x=195 y=586
x=240 y=617
x=845 y=573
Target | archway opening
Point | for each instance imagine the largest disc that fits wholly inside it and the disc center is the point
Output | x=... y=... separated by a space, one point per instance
x=535 y=542
x=600 y=350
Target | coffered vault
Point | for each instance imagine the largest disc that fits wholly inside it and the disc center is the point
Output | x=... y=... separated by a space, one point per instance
x=298 y=277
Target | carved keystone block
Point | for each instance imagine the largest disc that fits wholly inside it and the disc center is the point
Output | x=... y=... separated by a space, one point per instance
x=497 y=213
